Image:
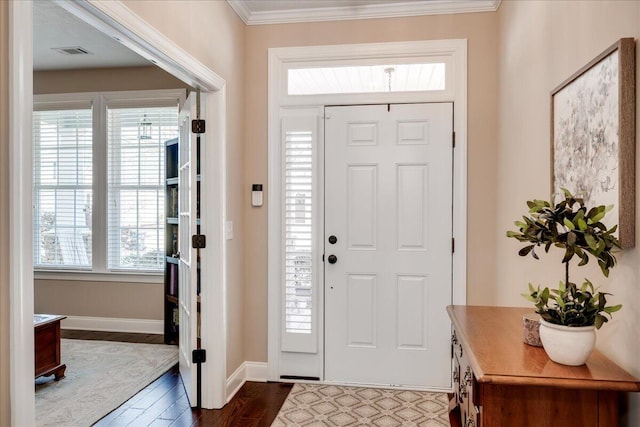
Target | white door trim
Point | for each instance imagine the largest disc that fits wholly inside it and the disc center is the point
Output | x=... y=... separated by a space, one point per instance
x=20 y=173
x=116 y=20
x=279 y=58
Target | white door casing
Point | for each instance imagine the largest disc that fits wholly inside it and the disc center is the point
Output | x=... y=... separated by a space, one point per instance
x=388 y=201
x=187 y=267
x=280 y=360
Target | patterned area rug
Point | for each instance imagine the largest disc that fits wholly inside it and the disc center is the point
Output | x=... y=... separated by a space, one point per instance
x=330 y=405
x=100 y=376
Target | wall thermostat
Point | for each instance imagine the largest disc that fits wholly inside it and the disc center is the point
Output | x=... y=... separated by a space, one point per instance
x=256 y=195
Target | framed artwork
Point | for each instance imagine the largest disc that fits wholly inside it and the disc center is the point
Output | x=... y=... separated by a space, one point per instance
x=593 y=135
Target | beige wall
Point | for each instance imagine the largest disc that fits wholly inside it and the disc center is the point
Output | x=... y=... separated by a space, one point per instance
x=481 y=31
x=541 y=44
x=104 y=79
x=4 y=220
x=213 y=33
x=100 y=299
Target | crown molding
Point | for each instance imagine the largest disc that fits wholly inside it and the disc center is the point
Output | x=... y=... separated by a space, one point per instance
x=241 y=9
x=372 y=11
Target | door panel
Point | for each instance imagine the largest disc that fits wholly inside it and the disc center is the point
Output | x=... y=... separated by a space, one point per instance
x=388 y=199
x=188 y=258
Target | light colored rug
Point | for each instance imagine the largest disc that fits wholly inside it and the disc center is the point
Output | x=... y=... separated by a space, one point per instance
x=329 y=405
x=100 y=376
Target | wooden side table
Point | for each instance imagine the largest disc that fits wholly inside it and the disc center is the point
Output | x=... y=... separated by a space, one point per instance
x=47 y=346
x=501 y=381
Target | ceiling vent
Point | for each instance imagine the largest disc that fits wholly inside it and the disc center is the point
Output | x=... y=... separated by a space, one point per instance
x=76 y=50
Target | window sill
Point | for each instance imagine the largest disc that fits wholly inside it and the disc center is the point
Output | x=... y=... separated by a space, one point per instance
x=89 y=276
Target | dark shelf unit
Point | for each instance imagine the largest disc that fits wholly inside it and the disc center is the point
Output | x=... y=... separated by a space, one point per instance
x=171 y=317
x=171 y=277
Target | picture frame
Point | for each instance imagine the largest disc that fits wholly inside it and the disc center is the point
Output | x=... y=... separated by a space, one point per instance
x=593 y=136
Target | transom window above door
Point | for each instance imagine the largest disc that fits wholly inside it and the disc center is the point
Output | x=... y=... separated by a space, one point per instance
x=374 y=78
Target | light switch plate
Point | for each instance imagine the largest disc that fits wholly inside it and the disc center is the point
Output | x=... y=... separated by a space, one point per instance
x=228 y=230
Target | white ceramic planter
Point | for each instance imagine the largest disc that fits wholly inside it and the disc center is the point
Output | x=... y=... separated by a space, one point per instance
x=567 y=345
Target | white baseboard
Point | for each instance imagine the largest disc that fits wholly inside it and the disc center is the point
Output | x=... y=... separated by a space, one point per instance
x=247 y=371
x=113 y=324
x=256 y=371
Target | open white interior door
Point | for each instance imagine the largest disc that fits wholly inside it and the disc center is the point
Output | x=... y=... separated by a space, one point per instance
x=187 y=223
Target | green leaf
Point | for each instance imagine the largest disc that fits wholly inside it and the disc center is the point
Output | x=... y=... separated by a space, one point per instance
x=525 y=251
x=582 y=225
x=568 y=254
x=612 y=309
x=567 y=223
x=591 y=241
x=599 y=321
x=598 y=216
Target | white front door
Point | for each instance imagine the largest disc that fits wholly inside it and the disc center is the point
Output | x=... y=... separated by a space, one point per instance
x=388 y=210
x=187 y=293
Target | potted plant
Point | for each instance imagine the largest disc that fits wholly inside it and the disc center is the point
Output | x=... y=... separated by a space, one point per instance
x=578 y=230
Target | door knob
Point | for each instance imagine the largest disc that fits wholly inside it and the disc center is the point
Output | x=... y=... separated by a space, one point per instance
x=333 y=240
x=332 y=259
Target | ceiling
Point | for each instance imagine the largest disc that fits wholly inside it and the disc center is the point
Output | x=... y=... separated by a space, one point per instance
x=54 y=27
x=256 y=12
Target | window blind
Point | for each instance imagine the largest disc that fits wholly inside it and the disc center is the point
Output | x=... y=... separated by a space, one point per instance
x=298 y=231
x=62 y=188
x=135 y=190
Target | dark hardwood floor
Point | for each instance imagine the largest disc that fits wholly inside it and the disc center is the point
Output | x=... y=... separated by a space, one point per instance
x=164 y=403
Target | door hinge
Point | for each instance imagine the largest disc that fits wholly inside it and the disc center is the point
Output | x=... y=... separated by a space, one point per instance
x=198 y=241
x=197 y=126
x=453 y=245
x=199 y=355
x=453 y=138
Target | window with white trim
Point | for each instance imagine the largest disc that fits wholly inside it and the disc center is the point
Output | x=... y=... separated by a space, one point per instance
x=62 y=188
x=135 y=189
x=98 y=180
x=299 y=146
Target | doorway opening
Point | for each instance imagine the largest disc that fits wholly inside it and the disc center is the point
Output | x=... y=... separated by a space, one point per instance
x=120 y=23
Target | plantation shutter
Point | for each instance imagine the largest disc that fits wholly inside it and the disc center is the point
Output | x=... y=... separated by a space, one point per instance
x=62 y=188
x=136 y=175
x=300 y=270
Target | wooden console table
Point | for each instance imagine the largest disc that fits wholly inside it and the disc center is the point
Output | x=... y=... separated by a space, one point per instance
x=501 y=381
x=47 y=346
